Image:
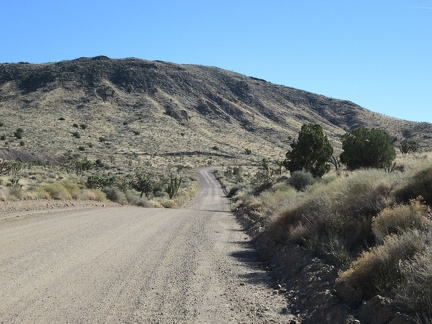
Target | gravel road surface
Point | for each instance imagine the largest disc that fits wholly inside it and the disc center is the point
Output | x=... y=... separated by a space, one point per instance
x=134 y=265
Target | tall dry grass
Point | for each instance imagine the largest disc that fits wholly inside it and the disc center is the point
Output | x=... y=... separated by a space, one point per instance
x=376 y=226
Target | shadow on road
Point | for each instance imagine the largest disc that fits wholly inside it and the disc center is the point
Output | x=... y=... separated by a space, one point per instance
x=256 y=264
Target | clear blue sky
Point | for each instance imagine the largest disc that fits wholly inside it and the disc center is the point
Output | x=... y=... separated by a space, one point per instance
x=377 y=54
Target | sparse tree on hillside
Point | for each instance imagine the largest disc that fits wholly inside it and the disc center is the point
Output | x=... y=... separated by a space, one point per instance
x=367 y=148
x=409 y=147
x=143 y=182
x=311 y=152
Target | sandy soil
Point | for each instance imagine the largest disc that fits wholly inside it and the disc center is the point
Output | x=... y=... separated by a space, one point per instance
x=134 y=265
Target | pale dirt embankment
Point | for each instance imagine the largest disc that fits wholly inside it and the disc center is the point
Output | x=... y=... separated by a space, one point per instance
x=134 y=265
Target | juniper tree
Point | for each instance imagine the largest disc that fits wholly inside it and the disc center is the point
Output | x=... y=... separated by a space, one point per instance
x=311 y=152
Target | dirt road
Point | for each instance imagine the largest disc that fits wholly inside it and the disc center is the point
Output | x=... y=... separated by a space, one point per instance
x=134 y=265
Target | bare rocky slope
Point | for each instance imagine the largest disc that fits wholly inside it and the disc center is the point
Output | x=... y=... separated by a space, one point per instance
x=137 y=109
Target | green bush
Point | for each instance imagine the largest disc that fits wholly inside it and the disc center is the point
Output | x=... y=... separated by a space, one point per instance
x=19 y=133
x=100 y=180
x=301 y=179
x=311 y=152
x=367 y=148
x=409 y=147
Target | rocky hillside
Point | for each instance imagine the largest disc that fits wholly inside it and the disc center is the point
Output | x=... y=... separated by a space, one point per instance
x=138 y=110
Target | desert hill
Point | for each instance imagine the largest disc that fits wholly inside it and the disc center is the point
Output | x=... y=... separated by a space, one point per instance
x=146 y=111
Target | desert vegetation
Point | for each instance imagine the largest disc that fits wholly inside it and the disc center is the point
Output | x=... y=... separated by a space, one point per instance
x=84 y=179
x=373 y=223
x=134 y=132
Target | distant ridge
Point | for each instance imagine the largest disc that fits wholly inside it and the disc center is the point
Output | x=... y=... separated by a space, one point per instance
x=134 y=106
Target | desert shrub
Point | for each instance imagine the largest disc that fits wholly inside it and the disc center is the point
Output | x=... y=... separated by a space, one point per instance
x=301 y=179
x=398 y=219
x=263 y=186
x=19 y=133
x=81 y=148
x=409 y=147
x=143 y=182
x=76 y=135
x=135 y=200
x=115 y=195
x=287 y=220
x=130 y=196
x=367 y=148
x=53 y=191
x=340 y=211
x=377 y=270
x=415 y=291
x=311 y=151
x=419 y=185
x=3 y=138
x=94 y=194
x=155 y=204
x=235 y=189
x=278 y=197
x=72 y=188
x=141 y=202
x=252 y=203
x=21 y=143
x=100 y=180
x=167 y=203
x=16 y=192
x=160 y=194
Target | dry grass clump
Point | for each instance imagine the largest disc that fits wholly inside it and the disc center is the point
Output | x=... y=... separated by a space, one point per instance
x=338 y=213
x=53 y=191
x=64 y=190
x=400 y=218
x=419 y=185
x=72 y=188
x=415 y=290
x=279 y=197
x=252 y=203
x=184 y=195
x=378 y=270
x=94 y=194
